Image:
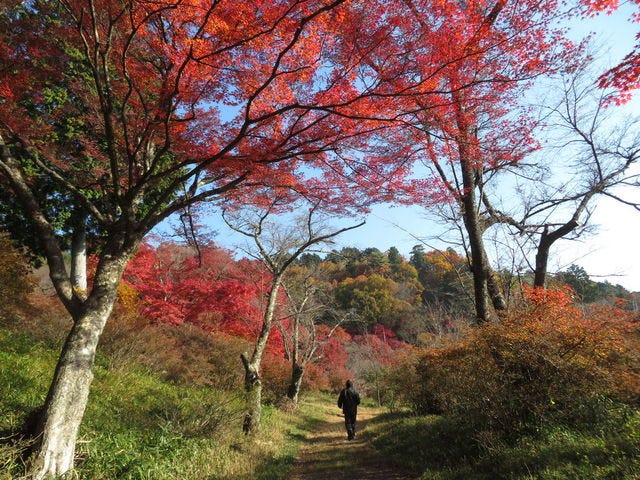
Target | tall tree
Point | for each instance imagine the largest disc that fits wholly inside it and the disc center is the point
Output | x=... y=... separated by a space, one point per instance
x=376 y=299
x=472 y=128
x=132 y=110
x=601 y=146
x=277 y=247
x=307 y=304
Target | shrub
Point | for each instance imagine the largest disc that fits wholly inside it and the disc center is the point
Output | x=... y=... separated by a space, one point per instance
x=276 y=375
x=337 y=378
x=316 y=378
x=184 y=353
x=398 y=380
x=16 y=281
x=546 y=361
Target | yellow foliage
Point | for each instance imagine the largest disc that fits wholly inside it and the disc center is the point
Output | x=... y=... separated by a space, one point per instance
x=128 y=297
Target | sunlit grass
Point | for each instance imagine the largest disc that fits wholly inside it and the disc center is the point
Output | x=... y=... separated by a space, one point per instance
x=138 y=426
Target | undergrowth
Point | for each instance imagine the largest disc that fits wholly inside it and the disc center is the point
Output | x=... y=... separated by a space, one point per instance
x=140 y=426
x=447 y=448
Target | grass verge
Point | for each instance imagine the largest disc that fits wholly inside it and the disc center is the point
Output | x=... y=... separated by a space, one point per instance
x=138 y=426
x=439 y=448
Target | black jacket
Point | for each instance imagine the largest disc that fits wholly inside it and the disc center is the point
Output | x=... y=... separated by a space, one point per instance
x=349 y=400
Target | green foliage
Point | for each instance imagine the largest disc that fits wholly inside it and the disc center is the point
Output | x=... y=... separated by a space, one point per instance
x=444 y=276
x=394 y=257
x=373 y=297
x=376 y=288
x=13 y=220
x=578 y=279
x=308 y=260
x=395 y=382
x=587 y=290
x=424 y=294
x=139 y=426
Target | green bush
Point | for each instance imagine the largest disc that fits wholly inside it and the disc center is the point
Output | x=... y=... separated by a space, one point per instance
x=449 y=448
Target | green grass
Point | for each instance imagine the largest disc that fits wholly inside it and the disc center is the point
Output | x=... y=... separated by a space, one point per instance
x=439 y=448
x=138 y=426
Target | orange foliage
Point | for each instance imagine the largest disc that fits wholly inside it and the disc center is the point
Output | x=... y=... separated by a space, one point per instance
x=316 y=378
x=276 y=375
x=547 y=359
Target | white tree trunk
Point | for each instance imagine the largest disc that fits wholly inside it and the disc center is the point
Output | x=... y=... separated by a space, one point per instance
x=67 y=398
x=252 y=380
x=79 y=262
x=253 y=397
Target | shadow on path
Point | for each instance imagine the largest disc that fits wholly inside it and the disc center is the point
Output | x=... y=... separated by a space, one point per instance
x=327 y=454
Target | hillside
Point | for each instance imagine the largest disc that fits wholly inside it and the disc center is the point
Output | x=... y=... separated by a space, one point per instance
x=549 y=392
x=139 y=427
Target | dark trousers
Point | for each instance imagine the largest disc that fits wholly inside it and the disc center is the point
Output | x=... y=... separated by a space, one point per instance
x=350 y=423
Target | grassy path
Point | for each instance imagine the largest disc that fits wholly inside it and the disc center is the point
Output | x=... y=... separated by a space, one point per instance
x=327 y=454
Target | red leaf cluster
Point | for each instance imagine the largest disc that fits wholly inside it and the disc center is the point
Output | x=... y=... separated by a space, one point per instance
x=318 y=96
x=217 y=295
x=625 y=76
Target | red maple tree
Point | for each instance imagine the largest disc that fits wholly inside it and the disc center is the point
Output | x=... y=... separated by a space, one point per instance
x=120 y=114
x=214 y=292
x=462 y=120
x=114 y=116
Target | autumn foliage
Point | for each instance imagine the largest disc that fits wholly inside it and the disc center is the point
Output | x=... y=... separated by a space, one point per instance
x=116 y=115
x=206 y=299
x=17 y=281
x=625 y=76
x=177 y=287
x=547 y=360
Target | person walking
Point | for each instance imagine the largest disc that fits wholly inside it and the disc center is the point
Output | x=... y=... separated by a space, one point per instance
x=348 y=401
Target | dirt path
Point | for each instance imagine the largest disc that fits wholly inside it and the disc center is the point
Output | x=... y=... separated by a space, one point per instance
x=327 y=454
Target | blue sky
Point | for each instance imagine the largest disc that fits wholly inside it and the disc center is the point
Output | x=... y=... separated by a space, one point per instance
x=612 y=254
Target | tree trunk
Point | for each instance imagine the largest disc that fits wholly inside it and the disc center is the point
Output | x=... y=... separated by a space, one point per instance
x=297 y=372
x=471 y=172
x=253 y=396
x=476 y=244
x=495 y=289
x=546 y=241
x=252 y=380
x=542 y=259
x=479 y=281
x=485 y=280
x=79 y=261
x=67 y=397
